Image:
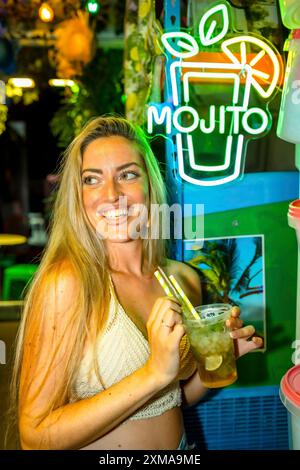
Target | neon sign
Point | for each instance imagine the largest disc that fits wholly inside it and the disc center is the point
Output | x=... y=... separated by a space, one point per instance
x=237 y=121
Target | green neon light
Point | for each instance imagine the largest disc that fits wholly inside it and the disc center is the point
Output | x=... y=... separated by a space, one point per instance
x=93 y=7
x=239 y=113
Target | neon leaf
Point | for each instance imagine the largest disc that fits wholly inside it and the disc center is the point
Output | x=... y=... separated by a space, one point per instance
x=186 y=44
x=208 y=24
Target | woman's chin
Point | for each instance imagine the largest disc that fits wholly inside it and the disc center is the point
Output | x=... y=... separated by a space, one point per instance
x=114 y=234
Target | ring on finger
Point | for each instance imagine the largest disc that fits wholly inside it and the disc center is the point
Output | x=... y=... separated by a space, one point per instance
x=165 y=324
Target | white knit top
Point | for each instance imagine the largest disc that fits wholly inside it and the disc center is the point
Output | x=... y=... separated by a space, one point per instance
x=122 y=349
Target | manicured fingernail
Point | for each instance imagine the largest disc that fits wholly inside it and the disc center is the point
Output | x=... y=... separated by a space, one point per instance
x=257 y=339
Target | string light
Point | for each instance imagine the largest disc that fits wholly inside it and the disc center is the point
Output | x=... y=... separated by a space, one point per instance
x=46 y=13
x=21 y=82
x=61 y=82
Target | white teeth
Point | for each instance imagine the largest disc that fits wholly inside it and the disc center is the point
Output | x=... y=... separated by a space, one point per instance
x=115 y=213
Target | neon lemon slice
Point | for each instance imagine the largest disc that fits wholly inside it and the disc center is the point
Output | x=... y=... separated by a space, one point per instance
x=271 y=78
x=213 y=362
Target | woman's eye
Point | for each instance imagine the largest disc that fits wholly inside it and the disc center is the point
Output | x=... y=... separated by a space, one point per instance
x=129 y=175
x=90 y=180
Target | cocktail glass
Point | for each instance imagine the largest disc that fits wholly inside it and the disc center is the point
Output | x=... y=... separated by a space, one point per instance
x=212 y=346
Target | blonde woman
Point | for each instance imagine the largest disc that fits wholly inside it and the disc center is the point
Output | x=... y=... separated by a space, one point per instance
x=102 y=360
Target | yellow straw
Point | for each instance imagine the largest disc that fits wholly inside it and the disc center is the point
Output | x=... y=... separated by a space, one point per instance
x=163 y=283
x=169 y=284
x=184 y=297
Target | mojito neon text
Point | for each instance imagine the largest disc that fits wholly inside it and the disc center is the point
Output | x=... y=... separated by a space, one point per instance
x=237 y=121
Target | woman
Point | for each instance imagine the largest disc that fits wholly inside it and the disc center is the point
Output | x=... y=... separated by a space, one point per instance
x=88 y=374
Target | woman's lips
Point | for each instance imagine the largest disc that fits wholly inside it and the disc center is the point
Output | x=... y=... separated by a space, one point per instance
x=114 y=216
x=119 y=215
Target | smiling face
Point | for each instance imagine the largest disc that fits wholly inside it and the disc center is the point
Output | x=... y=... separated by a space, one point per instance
x=114 y=183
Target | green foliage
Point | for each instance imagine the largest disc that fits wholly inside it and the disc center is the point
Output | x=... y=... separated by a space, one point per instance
x=100 y=92
x=218 y=265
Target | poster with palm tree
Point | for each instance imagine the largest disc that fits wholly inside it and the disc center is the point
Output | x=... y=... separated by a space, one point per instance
x=232 y=271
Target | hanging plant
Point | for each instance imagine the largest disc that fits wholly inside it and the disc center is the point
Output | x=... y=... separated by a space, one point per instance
x=99 y=91
x=73 y=45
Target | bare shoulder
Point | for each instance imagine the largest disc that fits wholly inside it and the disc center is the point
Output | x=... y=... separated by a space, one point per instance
x=54 y=298
x=61 y=283
x=188 y=277
x=49 y=313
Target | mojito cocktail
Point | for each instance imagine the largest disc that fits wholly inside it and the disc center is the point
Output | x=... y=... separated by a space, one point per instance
x=212 y=345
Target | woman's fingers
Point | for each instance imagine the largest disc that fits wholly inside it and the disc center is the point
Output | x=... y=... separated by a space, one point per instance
x=178 y=331
x=154 y=311
x=245 y=337
x=235 y=311
x=243 y=346
x=159 y=307
x=244 y=332
x=169 y=321
x=258 y=341
x=165 y=330
x=234 y=323
x=165 y=310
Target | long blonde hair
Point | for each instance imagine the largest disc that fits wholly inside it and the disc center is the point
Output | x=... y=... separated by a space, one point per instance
x=73 y=242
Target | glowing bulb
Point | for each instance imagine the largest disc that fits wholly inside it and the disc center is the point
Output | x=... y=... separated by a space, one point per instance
x=46 y=13
x=21 y=82
x=61 y=82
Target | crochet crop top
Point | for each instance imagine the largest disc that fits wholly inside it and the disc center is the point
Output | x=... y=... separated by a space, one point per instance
x=122 y=349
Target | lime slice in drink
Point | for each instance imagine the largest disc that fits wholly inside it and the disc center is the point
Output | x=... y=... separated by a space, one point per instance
x=213 y=362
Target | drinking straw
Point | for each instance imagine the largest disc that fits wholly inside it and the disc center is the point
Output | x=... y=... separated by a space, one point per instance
x=163 y=284
x=184 y=298
x=173 y=289
x=169 y=284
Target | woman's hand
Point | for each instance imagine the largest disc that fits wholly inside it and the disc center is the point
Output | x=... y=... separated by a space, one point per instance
x=246 y=340
x=165 y=330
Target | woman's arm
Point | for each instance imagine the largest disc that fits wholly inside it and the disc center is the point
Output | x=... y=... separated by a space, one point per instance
x=192 y=390
x=74 y=425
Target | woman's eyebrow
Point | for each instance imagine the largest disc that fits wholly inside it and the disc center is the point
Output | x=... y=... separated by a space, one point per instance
x=121 y=167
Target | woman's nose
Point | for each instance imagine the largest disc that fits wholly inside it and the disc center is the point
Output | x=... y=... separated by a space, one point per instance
x=111 y=190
